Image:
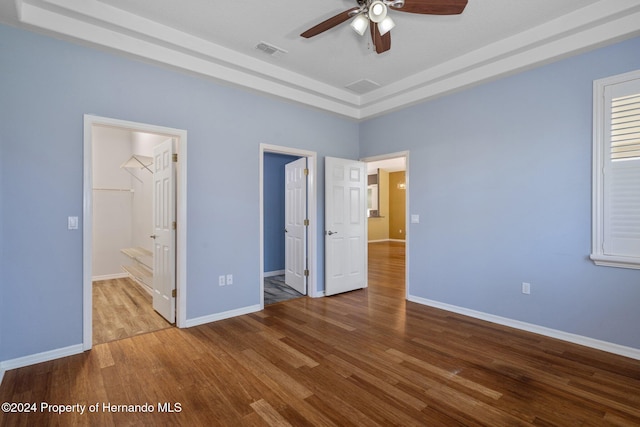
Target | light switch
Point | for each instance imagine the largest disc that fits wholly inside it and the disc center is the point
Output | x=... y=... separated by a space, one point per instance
x=72 y=223
x=415 y=219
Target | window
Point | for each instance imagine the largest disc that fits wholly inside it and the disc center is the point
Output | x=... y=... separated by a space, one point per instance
x=616 y=171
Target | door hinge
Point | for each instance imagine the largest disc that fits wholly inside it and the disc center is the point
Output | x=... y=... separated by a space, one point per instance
x=174 y=157
x=306 y=273
x=306 y=171
x=173 y=293
x=306 y=222
x=174 y=225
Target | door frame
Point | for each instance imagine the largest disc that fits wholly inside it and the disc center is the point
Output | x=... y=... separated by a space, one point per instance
x=312 y=203
x=87 y=211
x=395 y=155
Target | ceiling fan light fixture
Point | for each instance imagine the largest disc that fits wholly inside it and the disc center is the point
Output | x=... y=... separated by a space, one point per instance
x=360 y=24
x=386 y=25
x=377 y=11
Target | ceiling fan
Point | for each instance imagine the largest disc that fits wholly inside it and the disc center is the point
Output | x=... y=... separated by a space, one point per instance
x=374 y=15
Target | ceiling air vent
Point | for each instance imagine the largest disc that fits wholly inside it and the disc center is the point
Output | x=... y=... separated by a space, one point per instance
x=270 y=49
x=363 y=86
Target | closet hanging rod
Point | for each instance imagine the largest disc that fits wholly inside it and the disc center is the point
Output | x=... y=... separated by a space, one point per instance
x=128 y=190
x=137 y=161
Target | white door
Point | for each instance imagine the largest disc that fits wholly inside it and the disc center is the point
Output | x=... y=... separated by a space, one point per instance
x=164 y=233
x=295 y=230
x=345 y=225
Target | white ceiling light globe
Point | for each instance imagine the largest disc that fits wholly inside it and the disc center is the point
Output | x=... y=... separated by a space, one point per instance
x=377 y=11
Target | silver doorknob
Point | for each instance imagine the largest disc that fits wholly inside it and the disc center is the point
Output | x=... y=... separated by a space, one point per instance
x=331 y=232
x=153 y=236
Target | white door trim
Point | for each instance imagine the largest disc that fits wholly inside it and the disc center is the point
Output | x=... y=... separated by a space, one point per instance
x=312 y=249
x=87 y=213
x=404 y=154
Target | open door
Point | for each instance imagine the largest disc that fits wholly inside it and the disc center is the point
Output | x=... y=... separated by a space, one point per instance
x=345 y=225
x=164 y=231
x=295 y=201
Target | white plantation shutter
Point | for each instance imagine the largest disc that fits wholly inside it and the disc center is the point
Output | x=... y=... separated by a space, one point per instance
x=625 y=127
x=622 y=210
x=617 y=171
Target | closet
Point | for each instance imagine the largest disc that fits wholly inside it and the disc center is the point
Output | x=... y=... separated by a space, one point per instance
x=122 y=205
x=141 y=268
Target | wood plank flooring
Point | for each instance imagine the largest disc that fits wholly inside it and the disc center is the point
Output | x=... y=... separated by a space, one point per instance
x=364 y=358
x=122 y=309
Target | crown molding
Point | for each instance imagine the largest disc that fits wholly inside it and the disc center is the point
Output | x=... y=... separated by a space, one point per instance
x=95 y=23
x=594 y=26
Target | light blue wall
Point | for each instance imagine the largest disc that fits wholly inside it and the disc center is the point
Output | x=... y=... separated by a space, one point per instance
x=46 y=87
x=273 y=198
x=501 y=178
x=500 y=174
x=2 y=168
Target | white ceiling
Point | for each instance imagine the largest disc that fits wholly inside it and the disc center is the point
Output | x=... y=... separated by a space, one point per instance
x=430 y=55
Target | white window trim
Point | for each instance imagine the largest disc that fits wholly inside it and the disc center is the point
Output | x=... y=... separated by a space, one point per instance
x=600 y=148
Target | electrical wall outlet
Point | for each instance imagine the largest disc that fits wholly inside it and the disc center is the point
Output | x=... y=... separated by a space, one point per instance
x=526 y=288
x=229 y=279
x=221 y=281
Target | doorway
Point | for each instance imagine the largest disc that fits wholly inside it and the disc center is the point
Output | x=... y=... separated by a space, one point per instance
x=120 y=220
x=284 y=231
x=273 y=160
x=387 y=214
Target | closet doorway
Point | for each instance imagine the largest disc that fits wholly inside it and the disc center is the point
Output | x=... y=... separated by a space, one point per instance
x=134 y=207
x=285 y=227
x=273 y=255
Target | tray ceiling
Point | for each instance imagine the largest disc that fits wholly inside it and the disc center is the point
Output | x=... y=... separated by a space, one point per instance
x=256 y=44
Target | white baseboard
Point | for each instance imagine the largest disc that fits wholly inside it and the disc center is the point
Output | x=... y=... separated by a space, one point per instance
x=143 y=286
x=273 y=273
x=221 y=316
x=32 y=359
x=109 y=277
x=318 y=294
x=621 y=350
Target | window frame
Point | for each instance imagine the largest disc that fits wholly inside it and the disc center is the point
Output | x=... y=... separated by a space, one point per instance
x=601 y=149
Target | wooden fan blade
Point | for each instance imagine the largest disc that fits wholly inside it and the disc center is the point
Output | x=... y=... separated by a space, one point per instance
x=381 y=43
x=433 y=7
x=329 y=23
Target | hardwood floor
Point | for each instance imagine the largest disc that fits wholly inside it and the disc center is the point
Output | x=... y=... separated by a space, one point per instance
x=363 y=358
x=387 y=267
x=122 y=309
